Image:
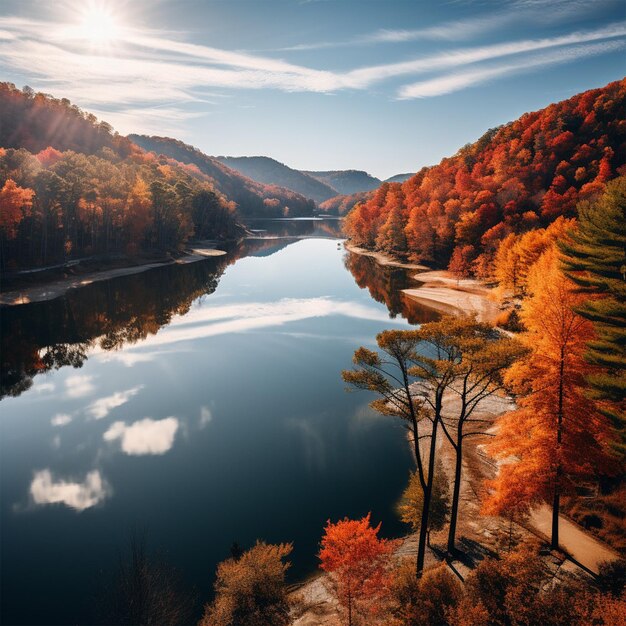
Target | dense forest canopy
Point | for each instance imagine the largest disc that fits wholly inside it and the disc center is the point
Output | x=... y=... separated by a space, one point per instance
x=515 y=178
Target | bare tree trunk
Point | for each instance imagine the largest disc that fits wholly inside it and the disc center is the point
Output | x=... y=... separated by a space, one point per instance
x=556 y=499
x=454 y=509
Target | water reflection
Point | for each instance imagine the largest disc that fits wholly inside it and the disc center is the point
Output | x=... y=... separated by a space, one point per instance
x=44 y=336
x=146 y=436
x=75 y=495
x=101 y=407
x=385 y=285
x=212 y=419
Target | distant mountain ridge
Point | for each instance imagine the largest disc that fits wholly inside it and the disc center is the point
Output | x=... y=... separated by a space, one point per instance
x=272 y=172
x=399 y=178
x=320 y=186
x=253 y=198
x=347 y=182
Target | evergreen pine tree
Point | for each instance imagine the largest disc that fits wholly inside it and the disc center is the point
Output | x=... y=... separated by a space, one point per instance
x=595 y=259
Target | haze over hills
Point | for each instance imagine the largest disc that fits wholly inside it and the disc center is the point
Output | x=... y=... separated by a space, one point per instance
x=252 y=197
x=320 y=186
x=347 y=181
x=271 y=172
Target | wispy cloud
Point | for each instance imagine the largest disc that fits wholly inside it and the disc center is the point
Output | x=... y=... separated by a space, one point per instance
x=151 y=80
x=101 y=407
x=61 y=419
x=364 y=77
x=471 y=78
x=518 y=12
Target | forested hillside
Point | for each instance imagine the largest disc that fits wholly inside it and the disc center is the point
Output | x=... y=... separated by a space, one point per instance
x=34 y=121
x=270 y=172
x=70 y=188
x=253 y=199
x=341 y=205
x=515 y=178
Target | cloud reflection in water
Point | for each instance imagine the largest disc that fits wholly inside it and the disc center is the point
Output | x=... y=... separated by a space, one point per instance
x=146 y=436
x=76 y=495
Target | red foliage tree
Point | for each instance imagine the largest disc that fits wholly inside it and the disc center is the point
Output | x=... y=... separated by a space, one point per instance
x=358 y=558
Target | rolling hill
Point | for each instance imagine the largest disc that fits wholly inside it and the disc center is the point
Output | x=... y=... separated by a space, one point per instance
x=271 y=172
x=347 y=182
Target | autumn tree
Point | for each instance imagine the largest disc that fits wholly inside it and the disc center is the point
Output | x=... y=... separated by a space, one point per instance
x=412 y=501
x=425 y=601
x=15 y=201
x=391 y=376
x=557 y=435
x=251 y=590
x=481 y=356
x=352 y=551
x=521 y=589
x=595 y=260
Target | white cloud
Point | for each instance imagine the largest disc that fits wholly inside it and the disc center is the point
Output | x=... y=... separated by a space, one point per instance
x=101 y=407
x=471 y=78
x=76 y=495
x=146 y=436
x=78 y=386
x=61 y=419
x=364 y=77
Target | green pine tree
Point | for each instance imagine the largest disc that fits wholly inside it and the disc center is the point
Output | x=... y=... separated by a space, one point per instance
x=595 y=259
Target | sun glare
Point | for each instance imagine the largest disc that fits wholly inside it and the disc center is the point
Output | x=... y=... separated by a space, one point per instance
x=98 y=25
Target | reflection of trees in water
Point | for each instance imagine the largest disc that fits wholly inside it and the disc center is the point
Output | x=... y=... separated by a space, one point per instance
x=385 y=285
x=42 y=336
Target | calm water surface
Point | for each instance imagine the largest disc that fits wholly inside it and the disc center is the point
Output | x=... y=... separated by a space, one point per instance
x=202 y=402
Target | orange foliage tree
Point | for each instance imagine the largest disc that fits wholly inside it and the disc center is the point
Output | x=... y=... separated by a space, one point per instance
x=15 y=201
x=358 y=558
x=557 y=436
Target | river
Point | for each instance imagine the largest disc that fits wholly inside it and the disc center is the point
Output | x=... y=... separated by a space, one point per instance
x=200 y=403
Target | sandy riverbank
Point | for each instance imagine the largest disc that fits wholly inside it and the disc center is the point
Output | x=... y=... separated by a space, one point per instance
x=56 y=288
x=441 y=290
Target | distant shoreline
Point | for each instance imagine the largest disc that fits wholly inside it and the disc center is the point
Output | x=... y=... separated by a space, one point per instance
x=55 y=288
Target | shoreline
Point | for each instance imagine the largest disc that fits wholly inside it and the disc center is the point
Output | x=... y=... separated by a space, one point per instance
x=440 y=289
x=56 y=288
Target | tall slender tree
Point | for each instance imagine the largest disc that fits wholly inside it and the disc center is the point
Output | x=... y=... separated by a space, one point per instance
x=595 y=260
x=557 y=436
x=483 y=356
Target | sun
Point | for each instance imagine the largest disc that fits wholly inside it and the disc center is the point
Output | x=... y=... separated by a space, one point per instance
x=98 y=25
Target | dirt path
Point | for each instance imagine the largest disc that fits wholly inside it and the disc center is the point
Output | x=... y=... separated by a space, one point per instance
x=54 y=289
x=581 y=546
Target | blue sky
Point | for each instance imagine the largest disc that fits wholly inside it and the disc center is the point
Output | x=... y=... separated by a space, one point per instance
x=381 y=85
